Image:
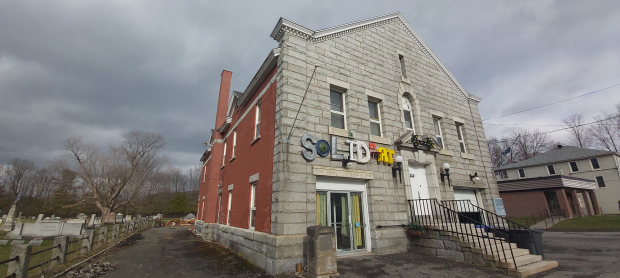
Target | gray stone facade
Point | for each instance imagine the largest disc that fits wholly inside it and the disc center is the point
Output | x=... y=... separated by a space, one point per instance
x=364 y=61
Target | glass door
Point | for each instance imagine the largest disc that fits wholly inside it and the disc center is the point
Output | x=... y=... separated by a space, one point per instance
x=344 y=211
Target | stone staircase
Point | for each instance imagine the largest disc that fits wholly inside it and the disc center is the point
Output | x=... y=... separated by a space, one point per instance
x=495 y=250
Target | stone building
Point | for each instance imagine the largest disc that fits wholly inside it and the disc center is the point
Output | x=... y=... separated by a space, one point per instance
x=318 y=135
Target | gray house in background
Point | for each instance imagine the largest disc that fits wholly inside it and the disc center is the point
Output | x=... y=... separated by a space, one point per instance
x=574 y=167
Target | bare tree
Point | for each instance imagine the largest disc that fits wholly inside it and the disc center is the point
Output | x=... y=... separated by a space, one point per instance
x=578 y=133
x=16 y=176
x=108 y=174
x=606 y=131
x=193 y=178
x=528 y=144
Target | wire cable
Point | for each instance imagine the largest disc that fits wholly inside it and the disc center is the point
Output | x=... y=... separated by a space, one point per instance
x=525 y=110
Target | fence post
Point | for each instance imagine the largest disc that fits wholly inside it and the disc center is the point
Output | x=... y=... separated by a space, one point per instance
x=20 y=266
x=115 y=231
x=61 y=252
x=87 y=242
x=103 y=236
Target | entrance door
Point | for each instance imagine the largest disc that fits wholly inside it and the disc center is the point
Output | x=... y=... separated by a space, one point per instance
x=419 y=186
x=553 y=203
x=466 y=209
x=341 y=204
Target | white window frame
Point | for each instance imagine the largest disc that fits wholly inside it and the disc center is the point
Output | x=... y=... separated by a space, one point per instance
x=229 y=207
x=404 y=98
x=459 y=133
x=204 y=173
x=502 y=174
x=378 y=103
x=597 y=162
x=519 y=171
x=344 y=107
x=252 y=204
x=224 y=155
x=257 y=120
x=596 y=180
x=234 y=150
x=549 y=172
x=440 y=135
x=219 y=207
x=571 y=168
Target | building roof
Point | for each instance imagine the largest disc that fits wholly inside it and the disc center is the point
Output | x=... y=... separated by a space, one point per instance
x=317 y=36
x=560 y=154
x=555 y=181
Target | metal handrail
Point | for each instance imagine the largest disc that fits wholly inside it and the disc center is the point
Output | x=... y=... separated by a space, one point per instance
x=437 y=216
x=16 y=258
x=43 y=263
x=515 y=224
x=41 y=251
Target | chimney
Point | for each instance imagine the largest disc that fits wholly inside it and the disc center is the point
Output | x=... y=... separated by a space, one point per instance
x=222 y=100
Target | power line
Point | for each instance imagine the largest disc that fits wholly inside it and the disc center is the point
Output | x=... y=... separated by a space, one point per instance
x=552 y=103
x=560 y=129
x=519 y=124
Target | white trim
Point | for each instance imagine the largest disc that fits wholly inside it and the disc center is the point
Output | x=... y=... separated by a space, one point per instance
x=592 y=165
x=519 y=173
x=549 y=172
x=204 y=173
x=252 y=205
x=234 y=150
x=224 y=156
x=338 y=83
x=374 y=94
x=459 y=133
x=229 y=207
x=257 y=120
x=378 y=121
x=344 y=107
x=403 y=99
x=440 y=135
x=597 y=184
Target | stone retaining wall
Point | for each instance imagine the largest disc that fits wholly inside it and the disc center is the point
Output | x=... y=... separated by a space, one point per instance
x=444 y=245
x=275 y=254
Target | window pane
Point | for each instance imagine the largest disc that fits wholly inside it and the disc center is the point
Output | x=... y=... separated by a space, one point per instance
x=551 y=169
x=373 y=110
x=600 y=181
x=595 y=163
x=338 y=120
x=257 y=130
x=439 y=141
x=573 y=166
x=408 y=119
x=437 y=129
x=462 y=147
x=321 y=208
x=459 y=132
x=252 y=218
x=375 y=129
x=521 y=173
x=336 y=101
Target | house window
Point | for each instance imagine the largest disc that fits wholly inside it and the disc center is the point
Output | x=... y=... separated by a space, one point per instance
x=407 y=111
x=338 y=110
x=234 y=150
x=224 y=156
x=459 y=133
x=402 y=65
x=594 y=163
x=204 y=173
x=501 y=174
x=257 y=123
x=600 y=181
x=219 y=207
x=521 y=173
x=573 y=166
x=551 y=169
x=438 y=134
x=229 y=207
x=375 y=118
x=253 y=207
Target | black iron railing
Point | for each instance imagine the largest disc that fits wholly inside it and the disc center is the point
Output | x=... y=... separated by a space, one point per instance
x=437 y=216
x=545 y=214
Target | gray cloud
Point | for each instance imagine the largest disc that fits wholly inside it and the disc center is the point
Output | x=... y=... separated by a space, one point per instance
x=102 y=68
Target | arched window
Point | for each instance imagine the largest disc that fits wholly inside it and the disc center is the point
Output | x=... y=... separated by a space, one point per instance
x=408 y=113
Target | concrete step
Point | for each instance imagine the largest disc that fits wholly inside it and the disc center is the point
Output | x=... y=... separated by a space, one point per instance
x=533 y=268
x=515 y=252
x=521 y=261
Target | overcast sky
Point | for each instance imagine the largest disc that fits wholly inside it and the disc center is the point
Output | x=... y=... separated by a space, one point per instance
x=100 y=69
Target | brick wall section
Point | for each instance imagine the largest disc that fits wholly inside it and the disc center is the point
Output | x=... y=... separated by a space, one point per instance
x=249 y=160
x=524 y=203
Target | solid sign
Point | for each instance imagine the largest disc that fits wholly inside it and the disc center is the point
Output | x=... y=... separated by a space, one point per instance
x=498 y=203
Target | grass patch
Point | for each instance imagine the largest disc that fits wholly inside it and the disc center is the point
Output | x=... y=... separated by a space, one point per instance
x=525 y=222
x=603 y=223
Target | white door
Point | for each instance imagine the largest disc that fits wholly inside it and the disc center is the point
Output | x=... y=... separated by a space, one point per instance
x=419 y=187
x=464 y=194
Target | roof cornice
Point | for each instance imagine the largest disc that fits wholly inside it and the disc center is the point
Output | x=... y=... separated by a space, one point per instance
x=286 y=26
x=509 y=167
x=262 y=73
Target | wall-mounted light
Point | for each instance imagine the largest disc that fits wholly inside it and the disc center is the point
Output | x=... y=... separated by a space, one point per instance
x=446 y=168
x=346 y=163
x=474 y=177
x=398 y=167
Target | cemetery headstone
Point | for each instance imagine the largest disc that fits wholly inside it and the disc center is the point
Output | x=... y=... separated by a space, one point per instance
x=119 y=218
x=36 y=242
x=14 y=242
x=110 y=218
x=3 y=242
x=39 y=218
x=91 y=223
